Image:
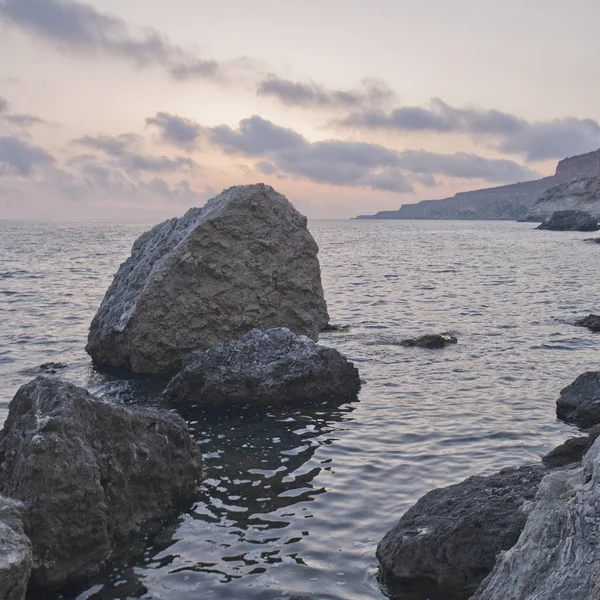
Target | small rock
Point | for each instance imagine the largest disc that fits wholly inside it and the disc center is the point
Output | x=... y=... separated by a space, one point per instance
x=579 y=402
x=593 y=240
x=571 y=451
x=90 y=473
x=592 y=322
x=52 y=367
x=15 y=551
x=335 y=328
x=265 y=368
x=570 y=220
x=432 y=342
x=450 y=538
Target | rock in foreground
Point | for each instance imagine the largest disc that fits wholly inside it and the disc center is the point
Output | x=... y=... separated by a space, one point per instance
x=90 y=473
x=452 y=535
x=15 y=551
x=579 y=402
x=592 y=322
x=558 y=553
x=432 y=342
x=244 y=260
x=264 y=368
x=570 y=220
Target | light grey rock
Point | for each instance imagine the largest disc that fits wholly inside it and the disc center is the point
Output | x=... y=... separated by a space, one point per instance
x=452 y=535
x=90 y=473
x=264 y=368
x=570 y=220
x=15 y=551
x=245 y=260
x=579 y=402
x=581 y=194
x=557 y=555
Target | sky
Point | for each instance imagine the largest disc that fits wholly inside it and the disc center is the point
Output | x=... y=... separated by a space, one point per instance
x=144 y=108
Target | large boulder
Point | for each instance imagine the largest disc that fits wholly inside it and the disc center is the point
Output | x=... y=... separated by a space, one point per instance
x=90 y=473
x=15 y=551
x=244 y=260
x=264 y=368
x=570 y=220
x=558 y=553
x=452 y=535
x=579 y=402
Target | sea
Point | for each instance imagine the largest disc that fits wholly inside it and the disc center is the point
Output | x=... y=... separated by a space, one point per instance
x=295 y=500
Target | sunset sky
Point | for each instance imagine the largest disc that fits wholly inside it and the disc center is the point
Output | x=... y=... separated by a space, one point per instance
x=143 y=108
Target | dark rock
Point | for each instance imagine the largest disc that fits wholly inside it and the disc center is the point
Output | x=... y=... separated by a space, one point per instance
x=572 y=450
x=329 y=328
x=90 y=473
x=593 y=240
x=430 y=341
x=592 y=322
x=579 y=402
x=570 y=220
x=52 y=367
x=264 y=368
x=15 y=551
x=452 y=535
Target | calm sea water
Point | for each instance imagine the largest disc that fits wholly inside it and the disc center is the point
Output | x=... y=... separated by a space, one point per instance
x=295 y=501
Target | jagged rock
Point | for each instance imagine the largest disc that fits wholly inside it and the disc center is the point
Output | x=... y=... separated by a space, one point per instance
x=90 y=473
x=557 y=556
x=570 y=220
x=579 y=402
x=581 y=194
x=15 y=551
x=264 y=368
x=592 y=322
x=572 y=450
x=244 y=260
x=452 y=535
x=430 y=341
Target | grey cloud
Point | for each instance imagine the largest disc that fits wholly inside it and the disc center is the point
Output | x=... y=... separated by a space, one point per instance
x=19 y=157
x=175 y=130
x=372 y=93
x=123 y=150
x=535 y=140
x=3 y=105
x=25 y=120
x=74 y=26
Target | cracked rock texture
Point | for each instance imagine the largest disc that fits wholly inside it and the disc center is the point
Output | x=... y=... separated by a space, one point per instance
x=245 y=260
x=15 y=551
x=90 y=473
x=579 y=402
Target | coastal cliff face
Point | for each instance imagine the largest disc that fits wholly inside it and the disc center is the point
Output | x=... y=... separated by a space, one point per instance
x=506 y=202
x=581 y=194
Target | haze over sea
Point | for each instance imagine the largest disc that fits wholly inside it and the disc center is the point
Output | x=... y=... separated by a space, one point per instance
x=295 y=500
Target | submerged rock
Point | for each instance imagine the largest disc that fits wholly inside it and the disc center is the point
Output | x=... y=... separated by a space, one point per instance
x=432 y=342
x=452 y=535
x=90 y=473
x=15 y=551
x=570 y=220
x=579 y=402
x=593 y=240
x=244 y=260
x=558 y=553
x=264 y=368
x=592 y=322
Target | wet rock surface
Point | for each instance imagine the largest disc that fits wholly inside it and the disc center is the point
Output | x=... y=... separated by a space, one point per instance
x=244 y=260
x=265 y=368
x=570 y=220
x=432 y=342
x=450 y=538
x=15 y=551
x=579 y=402
x=90 y=473
x=592 y=322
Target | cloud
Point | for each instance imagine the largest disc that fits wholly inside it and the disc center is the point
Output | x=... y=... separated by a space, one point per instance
x=3 y=105
x=175 y=130
x=123 y=149
x=535 y=140
x=372 y=93
x=74 y=26
x=25 y=120
x=18 y=157
x=355 y=164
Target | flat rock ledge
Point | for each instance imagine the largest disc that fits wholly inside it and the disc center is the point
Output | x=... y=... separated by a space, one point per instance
x=245 y=260
x=16 y=557
x=557 y=555
x=592 y=322
x=570 y=220
x=431 y=342
x=90 y=473
x=579 y=402
x=264 y=368
x=450 y=538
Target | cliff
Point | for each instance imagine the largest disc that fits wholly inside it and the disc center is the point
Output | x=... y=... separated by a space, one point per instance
x=580 y=194
x=506 y=202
